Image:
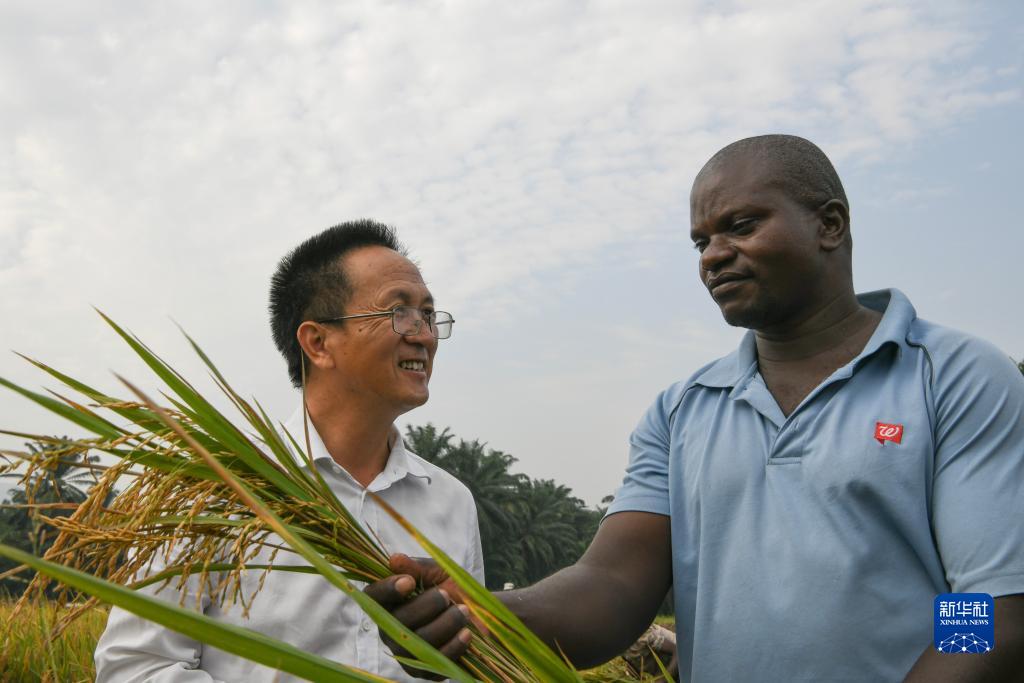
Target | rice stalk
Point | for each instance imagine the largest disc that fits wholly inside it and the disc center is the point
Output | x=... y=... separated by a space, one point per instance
x=205 y=496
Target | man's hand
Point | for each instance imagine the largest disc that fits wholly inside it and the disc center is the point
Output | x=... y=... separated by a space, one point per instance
x=591 y=611
x=433 y=614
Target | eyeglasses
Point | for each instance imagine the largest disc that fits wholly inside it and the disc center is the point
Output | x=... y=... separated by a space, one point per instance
x=407 y=320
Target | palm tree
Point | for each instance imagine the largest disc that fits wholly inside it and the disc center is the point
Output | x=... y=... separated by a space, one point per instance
x=548 y=538
x=528 y=528
x=486 y=474
x=496 y=492
x=428 y=443
x=67 y=481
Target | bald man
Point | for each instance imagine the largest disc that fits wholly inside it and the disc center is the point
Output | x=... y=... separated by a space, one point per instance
x=811 y=495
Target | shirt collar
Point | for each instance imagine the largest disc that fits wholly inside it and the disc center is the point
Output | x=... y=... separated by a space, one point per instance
x=897 y=315
x=401 y=462
x=731 y=370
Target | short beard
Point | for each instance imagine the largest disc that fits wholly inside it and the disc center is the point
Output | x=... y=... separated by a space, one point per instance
x=751 y=320
x=759 y=315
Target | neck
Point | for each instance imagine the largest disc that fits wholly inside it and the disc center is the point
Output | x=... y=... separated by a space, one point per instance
x=832 y=326
x=355 y=440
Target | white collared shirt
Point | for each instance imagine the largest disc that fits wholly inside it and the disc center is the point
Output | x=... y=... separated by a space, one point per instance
x=303 y=609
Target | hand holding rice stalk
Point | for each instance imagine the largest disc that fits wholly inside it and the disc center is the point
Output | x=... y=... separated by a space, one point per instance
x=204 y=499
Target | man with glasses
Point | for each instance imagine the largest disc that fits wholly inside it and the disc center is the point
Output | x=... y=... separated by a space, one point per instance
x=358 y=329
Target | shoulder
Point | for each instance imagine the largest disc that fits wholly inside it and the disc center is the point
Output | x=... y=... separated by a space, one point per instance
x=441 y=482
x=975 y=387
x=719 y=374
x=682 y=398
x=955 y=356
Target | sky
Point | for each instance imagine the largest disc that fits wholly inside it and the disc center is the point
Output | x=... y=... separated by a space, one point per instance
x=157 y=159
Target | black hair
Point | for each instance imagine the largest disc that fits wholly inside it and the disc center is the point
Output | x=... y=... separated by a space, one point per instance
x=311 y=283
x=802 y=169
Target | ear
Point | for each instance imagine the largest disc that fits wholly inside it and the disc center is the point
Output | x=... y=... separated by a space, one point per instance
x=834 y=224
x=312 y=338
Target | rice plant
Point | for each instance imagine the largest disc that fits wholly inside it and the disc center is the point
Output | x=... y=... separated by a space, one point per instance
x=205 y=497
x=37 y=656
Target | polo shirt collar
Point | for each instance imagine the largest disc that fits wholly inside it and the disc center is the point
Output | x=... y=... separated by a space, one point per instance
x=898 y=315
x=734 y=370
x=401 y=462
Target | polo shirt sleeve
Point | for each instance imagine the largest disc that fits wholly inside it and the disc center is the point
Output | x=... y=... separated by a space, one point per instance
x=977 y=493
x=645 y=485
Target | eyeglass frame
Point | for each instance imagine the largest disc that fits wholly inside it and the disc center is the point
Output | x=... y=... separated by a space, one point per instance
x=419 y=321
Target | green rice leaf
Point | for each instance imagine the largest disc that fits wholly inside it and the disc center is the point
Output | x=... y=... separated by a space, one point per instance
x=243 y=642
x=664 y=672
x=211 y=420
x=87 y=421
x=139 y=416
x=502 y=623
x=384 y=619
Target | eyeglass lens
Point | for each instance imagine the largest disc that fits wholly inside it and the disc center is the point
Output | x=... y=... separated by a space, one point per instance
x=406 y=320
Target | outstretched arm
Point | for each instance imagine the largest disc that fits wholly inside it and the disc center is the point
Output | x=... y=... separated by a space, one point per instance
x=592 y=610
x=596 y=608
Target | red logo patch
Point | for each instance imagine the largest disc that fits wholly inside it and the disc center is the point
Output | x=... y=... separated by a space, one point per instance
x=887 y=432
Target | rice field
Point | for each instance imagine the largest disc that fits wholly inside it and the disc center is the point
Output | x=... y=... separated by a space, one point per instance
x=33 y=658
x=207 y=497
x=30 y=655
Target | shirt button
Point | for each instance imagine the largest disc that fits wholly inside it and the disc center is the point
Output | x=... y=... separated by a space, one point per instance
x=366 y=624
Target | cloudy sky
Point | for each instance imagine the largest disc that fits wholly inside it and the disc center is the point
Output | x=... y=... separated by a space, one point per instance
x=157 y=159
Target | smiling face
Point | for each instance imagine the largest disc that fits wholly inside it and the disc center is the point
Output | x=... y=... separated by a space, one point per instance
x=762 y=257
x=376 y=369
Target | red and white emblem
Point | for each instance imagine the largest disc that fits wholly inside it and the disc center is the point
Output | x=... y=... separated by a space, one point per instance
x=888 y=432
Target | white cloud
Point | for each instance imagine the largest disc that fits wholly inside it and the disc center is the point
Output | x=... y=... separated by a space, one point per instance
x=158 y=159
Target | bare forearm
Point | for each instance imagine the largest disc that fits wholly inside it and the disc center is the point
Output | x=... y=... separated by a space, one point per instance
x=1004 y=663
x=604 y=619
x=591 y=611
x=596 y=608
x=990 y=667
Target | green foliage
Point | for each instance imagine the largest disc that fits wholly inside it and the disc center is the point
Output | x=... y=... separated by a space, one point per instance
x=243 y=642
x=69 y=658
x=67 y=480
x=221 y=495
x=39 y=657
x=529 y=528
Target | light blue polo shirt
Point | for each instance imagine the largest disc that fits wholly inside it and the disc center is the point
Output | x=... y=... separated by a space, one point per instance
x=805 y=548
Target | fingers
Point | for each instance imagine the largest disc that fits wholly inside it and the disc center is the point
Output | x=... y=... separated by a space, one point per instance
x=425 y=571
x=435 y=619
x=431 y=615
x=401 y=563
x=446 y=627
x=453 y=649
x=457 y=646
x=391 y=591
x=428 y=607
